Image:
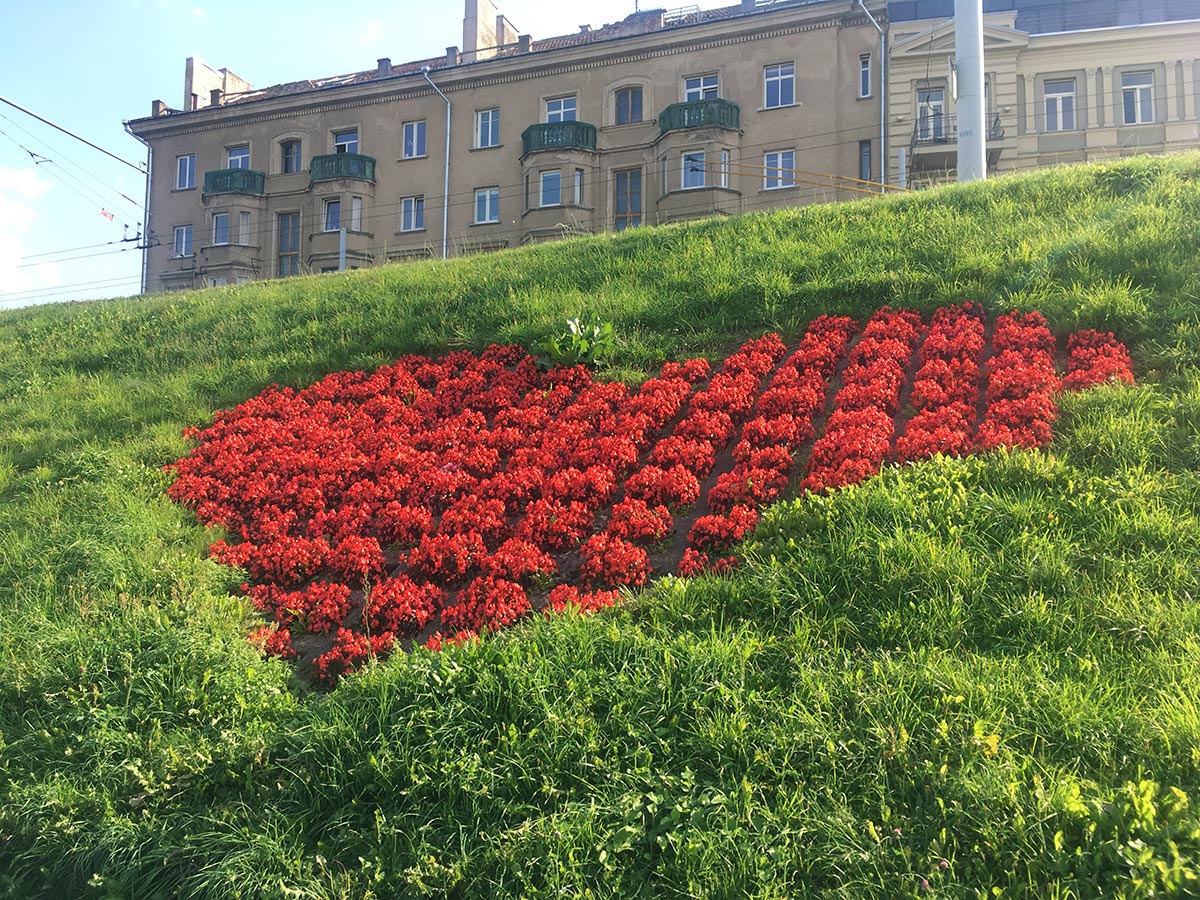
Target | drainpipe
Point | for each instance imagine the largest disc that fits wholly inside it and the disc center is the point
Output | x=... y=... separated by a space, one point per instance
x=146 y=207
x=883 y=87
x=446 y=178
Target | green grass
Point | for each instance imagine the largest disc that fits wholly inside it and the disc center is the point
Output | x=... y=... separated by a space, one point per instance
x=978 y=674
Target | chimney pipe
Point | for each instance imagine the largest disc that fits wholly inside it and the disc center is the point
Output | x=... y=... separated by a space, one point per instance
x=452 y=56
x=385 y=68
x=215 y=97
x=524 y=43
x=157 y=108
x=749 y=5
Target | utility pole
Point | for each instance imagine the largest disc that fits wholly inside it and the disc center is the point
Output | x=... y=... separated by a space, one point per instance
x=972 y=129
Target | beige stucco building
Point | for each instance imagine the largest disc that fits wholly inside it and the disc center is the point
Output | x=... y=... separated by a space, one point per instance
x=663 y=116
x=1067 y=95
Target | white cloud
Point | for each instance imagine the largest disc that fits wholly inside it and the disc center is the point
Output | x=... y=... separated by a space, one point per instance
x=18 y=189
x=371 y=34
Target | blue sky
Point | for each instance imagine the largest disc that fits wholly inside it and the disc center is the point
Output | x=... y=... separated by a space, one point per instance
x=88 y=66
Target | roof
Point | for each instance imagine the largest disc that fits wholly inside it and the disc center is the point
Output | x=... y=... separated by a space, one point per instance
x=643 y=22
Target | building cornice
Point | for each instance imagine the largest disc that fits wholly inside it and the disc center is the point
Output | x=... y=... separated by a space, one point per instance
x=494 y=72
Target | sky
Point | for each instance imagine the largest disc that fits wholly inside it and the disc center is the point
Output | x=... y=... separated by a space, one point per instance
x=90 y=65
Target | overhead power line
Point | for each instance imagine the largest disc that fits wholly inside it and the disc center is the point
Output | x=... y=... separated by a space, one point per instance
x=70 y=133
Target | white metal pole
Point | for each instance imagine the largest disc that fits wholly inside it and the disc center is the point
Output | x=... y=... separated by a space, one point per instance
x=968 y=48
x=446 y=177
x=883 y=98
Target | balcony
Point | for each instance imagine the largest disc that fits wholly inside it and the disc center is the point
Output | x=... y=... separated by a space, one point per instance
x=943 y=129
x=342 y=165
x=234 y=181
x=699 y=114
x=558 y=136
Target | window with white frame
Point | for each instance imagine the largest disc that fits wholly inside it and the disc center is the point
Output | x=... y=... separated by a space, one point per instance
x=185 y=172
x=692 y=170
x=487 y=205
x=1137 y=97
x=244 y=228
x=487 y=128
x=864 y=75
x=345 y=141
x=779 y=166
x=931 y=105
x=289 y=244
x=414 y=139
x=239 y=157
x=579 y=187
x=779 y=85
x=723 y=174
x=356 y=213
x=183 y=240
x=627 y=199
x=1060 y=105
x=220 y=228
x=700 y=87
x=412 y=213
x=560 y=109
x=333 y=214
x=551 y=188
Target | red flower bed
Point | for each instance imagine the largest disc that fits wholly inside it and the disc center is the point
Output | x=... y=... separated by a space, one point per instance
x=448 y=495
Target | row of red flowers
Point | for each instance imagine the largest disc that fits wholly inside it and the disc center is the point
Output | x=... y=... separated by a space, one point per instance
x=452 y=492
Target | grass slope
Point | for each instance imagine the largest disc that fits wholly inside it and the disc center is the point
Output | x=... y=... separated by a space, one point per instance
x=972 y=678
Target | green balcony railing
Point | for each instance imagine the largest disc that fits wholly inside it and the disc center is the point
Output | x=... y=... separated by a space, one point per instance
x=343 y=165
x=699 y=114
x=234 y=181
x=558 y=136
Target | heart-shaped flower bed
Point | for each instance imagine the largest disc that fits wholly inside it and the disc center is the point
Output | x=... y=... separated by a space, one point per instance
x=454 y=495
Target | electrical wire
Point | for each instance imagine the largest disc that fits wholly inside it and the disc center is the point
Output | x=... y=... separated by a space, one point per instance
x=69 y=133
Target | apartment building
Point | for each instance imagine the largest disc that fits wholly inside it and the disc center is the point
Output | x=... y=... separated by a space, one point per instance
x=663 y=116
x=1065 y=81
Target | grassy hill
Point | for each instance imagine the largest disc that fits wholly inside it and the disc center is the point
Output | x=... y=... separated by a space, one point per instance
x=965 y=678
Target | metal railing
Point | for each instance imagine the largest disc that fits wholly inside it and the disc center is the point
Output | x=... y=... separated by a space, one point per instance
x=698 y=114
x=943 y=129
x=558 y=136
x=343 y=165
x=234 y=181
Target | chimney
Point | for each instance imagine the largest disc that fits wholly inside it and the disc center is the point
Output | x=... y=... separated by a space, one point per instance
x=385 y=68
x=505 y=32
x=215 y=97
x=525 y=43
x=749 y=5
x=585 y=29
x=452 y=56
x=480 y=19
x=157 y=108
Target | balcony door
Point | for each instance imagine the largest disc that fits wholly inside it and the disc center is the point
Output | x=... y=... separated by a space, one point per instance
x=931 y=118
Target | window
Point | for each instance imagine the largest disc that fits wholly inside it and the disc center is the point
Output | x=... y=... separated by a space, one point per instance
x=220 y=228
x=345 y=141
x=487 y=128
x=779 y=165
x=356 y=213
x=414 y=139
x=291 y=157
x=333 y=214
x=244 y=228
x=185 y=172
x=239 y=157
x=560 y=109
x=864 y=75
x=780 y=83
x=289 y=244
x=627 y=199
x=412 y=213
x=700 y=87
x=930 y=105
x=1137 y=95
x=693 y=170
x=579 y=187
x=629 y=105
x=1060 y=105
x=183 y=240
x=864 y=160
x=551 y=194
x=724 y=173
x=487 y=205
